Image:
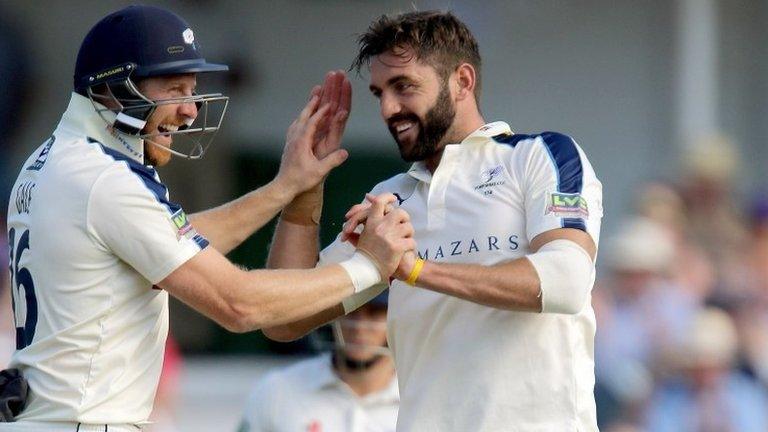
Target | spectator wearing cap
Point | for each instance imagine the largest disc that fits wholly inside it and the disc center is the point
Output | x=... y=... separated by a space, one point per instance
x=707 y=393
x=640 y=310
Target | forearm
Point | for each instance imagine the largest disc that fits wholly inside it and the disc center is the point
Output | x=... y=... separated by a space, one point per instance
x=263 y=302
x=294 y=246
x=294 y=330
x=512 y=285
x=228 y=225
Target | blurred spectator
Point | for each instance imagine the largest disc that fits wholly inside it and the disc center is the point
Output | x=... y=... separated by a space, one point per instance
x=707 y=394
x=691 y=268
x=713 y=210
x=352 y=390
x=640 y=312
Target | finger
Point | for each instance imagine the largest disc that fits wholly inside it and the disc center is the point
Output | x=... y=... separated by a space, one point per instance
x=356 y=208
x=353 y=239
x=345 y=102
x=326 y=94
x=377 y=208
x=354 y=222
x=385 y=198
x=405 y=230
x=333 y=160
x=407 y=244
x=399 y=215
x=336 y=128
x=338 y=83
x=316 y=91
x=309 y=108
x=401 y=231
x=312 y=123
x=330 y=90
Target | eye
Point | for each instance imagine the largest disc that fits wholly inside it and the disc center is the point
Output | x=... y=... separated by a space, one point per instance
x=403 y=86
x=376 y=93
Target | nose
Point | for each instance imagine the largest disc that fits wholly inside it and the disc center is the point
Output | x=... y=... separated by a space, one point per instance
x=389 y=106
x=188 y=110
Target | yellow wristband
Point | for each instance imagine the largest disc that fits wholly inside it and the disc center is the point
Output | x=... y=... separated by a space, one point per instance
x=415 y=272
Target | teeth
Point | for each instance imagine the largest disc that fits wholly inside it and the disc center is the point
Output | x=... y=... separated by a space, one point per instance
x=169 y=127
x=403 y=127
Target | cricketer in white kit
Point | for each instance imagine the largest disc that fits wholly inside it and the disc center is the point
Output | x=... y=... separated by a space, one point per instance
x=88 y=198
x=490 y=320
x=459 y=361
x=309 y=396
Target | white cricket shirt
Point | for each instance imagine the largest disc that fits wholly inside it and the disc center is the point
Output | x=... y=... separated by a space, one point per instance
x=466 y=367
x=91 y=230
x=310 y=397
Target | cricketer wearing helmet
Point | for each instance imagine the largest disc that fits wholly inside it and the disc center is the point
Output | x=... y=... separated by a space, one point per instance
x=490 y=322
x=97 y=245
x=351 y=389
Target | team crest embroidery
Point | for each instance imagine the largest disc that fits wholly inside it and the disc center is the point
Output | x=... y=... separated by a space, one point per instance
x=490 y=178
x=567 y=205
x=189 y=36
x=183 y=226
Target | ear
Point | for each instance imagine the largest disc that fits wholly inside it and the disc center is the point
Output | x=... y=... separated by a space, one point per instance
x=466 y=79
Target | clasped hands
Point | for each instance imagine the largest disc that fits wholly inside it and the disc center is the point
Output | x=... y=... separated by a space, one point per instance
x=387 y=232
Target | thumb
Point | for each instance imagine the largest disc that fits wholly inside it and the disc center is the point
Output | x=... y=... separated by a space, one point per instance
x=333 y=160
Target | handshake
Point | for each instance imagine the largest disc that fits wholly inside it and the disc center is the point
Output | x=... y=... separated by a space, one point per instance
x=386 y=240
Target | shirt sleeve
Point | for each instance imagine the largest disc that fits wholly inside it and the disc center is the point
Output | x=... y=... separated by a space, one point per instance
x=130 y=215
x=560 y=186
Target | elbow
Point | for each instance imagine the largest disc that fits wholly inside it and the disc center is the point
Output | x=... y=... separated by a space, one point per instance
x=244 y=318
x=234 y=322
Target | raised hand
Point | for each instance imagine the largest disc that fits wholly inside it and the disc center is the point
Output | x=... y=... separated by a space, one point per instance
x=386 y=237
x=337 y=93
x=300 y=167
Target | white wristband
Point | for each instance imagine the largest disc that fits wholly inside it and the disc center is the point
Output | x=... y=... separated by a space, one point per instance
x=362 y=270
x=356 y=300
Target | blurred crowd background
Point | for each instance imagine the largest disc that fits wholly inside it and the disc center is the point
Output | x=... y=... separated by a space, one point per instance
x=669 y=98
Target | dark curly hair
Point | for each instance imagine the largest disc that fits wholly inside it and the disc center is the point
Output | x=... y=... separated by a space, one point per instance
x=437 y=38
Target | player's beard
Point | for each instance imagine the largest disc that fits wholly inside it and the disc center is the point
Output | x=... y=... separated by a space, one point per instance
x=154 y=155
x=432 y=129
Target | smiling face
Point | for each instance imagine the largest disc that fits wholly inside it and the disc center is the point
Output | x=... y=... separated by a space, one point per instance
x=166 y=117
x=416 y=103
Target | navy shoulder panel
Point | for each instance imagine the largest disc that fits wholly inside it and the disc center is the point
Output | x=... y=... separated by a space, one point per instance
x=144 y=173
x=565 y=157
x=570 y=174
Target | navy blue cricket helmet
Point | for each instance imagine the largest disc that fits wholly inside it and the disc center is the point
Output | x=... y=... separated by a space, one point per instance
x=153 y=40
x=140 y=42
